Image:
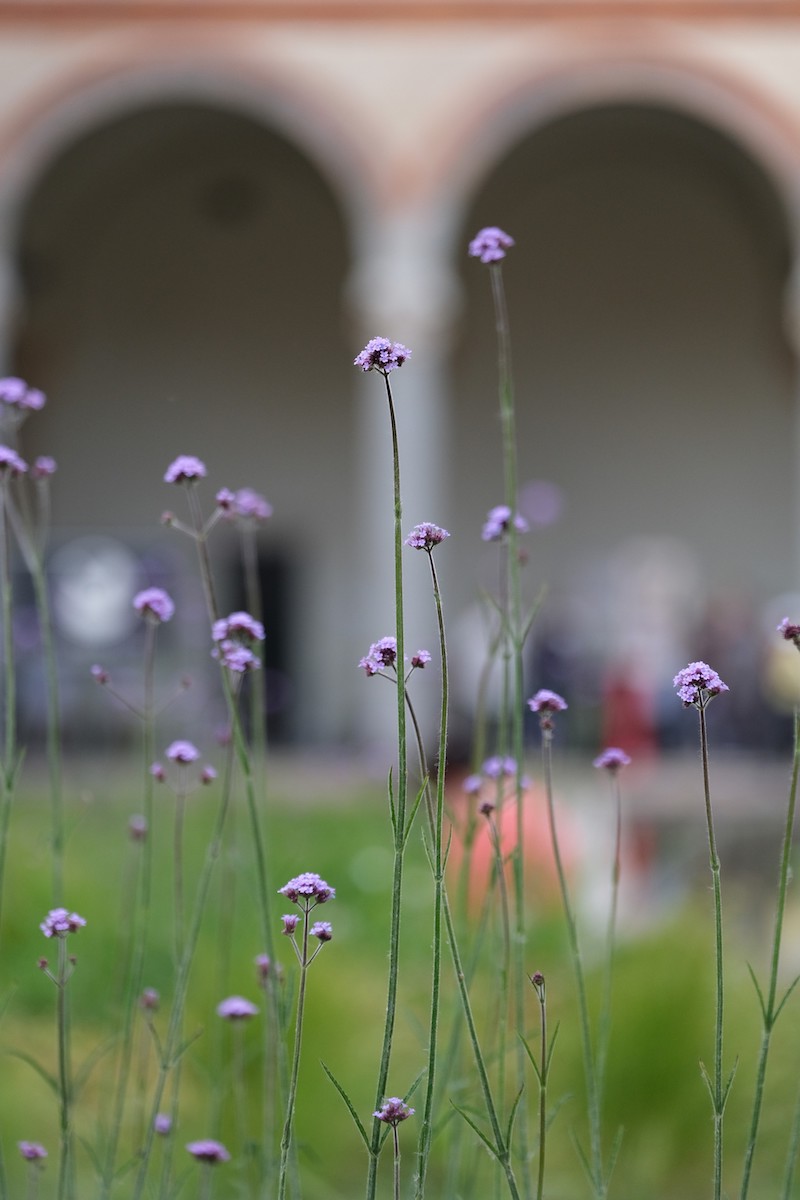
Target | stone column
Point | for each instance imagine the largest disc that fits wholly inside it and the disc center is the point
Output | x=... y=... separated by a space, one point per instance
x=403 y=288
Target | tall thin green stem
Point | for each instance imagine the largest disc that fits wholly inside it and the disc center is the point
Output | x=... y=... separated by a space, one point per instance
x=515 y=639
x=65 y=1163
x=718 y=1098
x=597 y=1178
x=399 y=809
x=771 y=1009
x=426 y=1128
x=286 y=1137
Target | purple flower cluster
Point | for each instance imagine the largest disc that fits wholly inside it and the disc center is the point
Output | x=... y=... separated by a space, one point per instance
x=32 y=1151
x=382 y=653
x=697 y=684
x=246 y=504
x=497 y=523
x=490 y=244
x=60 y=921
x=43 y=467
x=421 y=659
x=545 y=701
x=426 y=536
x=182 y=752
x=11 y=464
x=612 y=759
x=498 y=766
x=322 y=930
x=233 y=636
x=393 y=1111
x=15 y=393
x=380 y=354
x=236 y=1008
x=208 y=1151
x=790 y=631
x=307 y=889
x=185 y=469
x=162 y=1124
x=154 y=603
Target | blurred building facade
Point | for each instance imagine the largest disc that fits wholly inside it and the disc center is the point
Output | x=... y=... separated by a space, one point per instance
x=207 y=207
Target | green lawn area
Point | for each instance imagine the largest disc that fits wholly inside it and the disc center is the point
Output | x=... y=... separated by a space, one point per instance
x=662 y=1025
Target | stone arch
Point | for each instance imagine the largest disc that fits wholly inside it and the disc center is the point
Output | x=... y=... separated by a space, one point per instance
x=656 y=383
x=182 y=266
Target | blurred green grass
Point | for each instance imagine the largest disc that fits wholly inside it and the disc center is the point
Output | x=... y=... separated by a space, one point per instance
x=662 y=1023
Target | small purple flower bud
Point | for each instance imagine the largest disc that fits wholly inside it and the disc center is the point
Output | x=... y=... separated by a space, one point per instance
x=490 y=244
x=43 y=467
x=150 y=999
x=498 y=521
x=11 y=464
x=162 y=1124
x=208 y=774
x=225 y=499
x=307 y=887
x=154 y=603
x=546 y=701
x=393 y=1111
x=697 y=684
x=42 y=964
x=167 y=517
x=60 y=921
x=100 y=674
x=32 y=1151
x=157 y=771
x=322 y=930
x=185 y=469
x=208 y=1151
x=380 y=354
x=790 y=631
x=420 y=659
x=236 y=1008
x=182 y=752
x=263 y=967
x=486 y=807
x=472 y=784
x=290 y=921
x=426 y=536
x=612 y=759
x=137 y=828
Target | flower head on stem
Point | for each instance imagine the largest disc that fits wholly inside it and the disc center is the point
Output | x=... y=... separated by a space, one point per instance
x=11 y=465
x=236 y=1008
x=306 y=890
x=498 y=521
x=490 y=244
x=790 y=631
x=426 y=536
x=611 y=759
x=697 y=684
x=380 y=354
x=209 y=1151
x=154 y=604
x=32 y=1151
x=393 y=1111
x=186 y=468
x=60 y=921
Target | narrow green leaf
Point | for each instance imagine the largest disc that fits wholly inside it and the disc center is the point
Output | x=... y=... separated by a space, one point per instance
x=90 y=1062
x=414 y=811
x=512 y=1115
x=786 y=996
x=759 y=993
x=492 y=1148
x=349 y=1104
x=40 y=1071
x=533 y=1061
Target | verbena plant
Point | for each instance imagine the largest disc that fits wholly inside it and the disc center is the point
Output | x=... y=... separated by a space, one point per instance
x=481 y=1079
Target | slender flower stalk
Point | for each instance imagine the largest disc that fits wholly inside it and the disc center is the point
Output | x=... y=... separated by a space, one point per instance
x=59 y=924
x=611 y=761
x=697 y=685
x=490 y=246
x=499 y=1147
x=306 y=891
x=771 y=1007
x=384 y=356
x=546 y=704
x=393 y=1112
x=537 y=979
